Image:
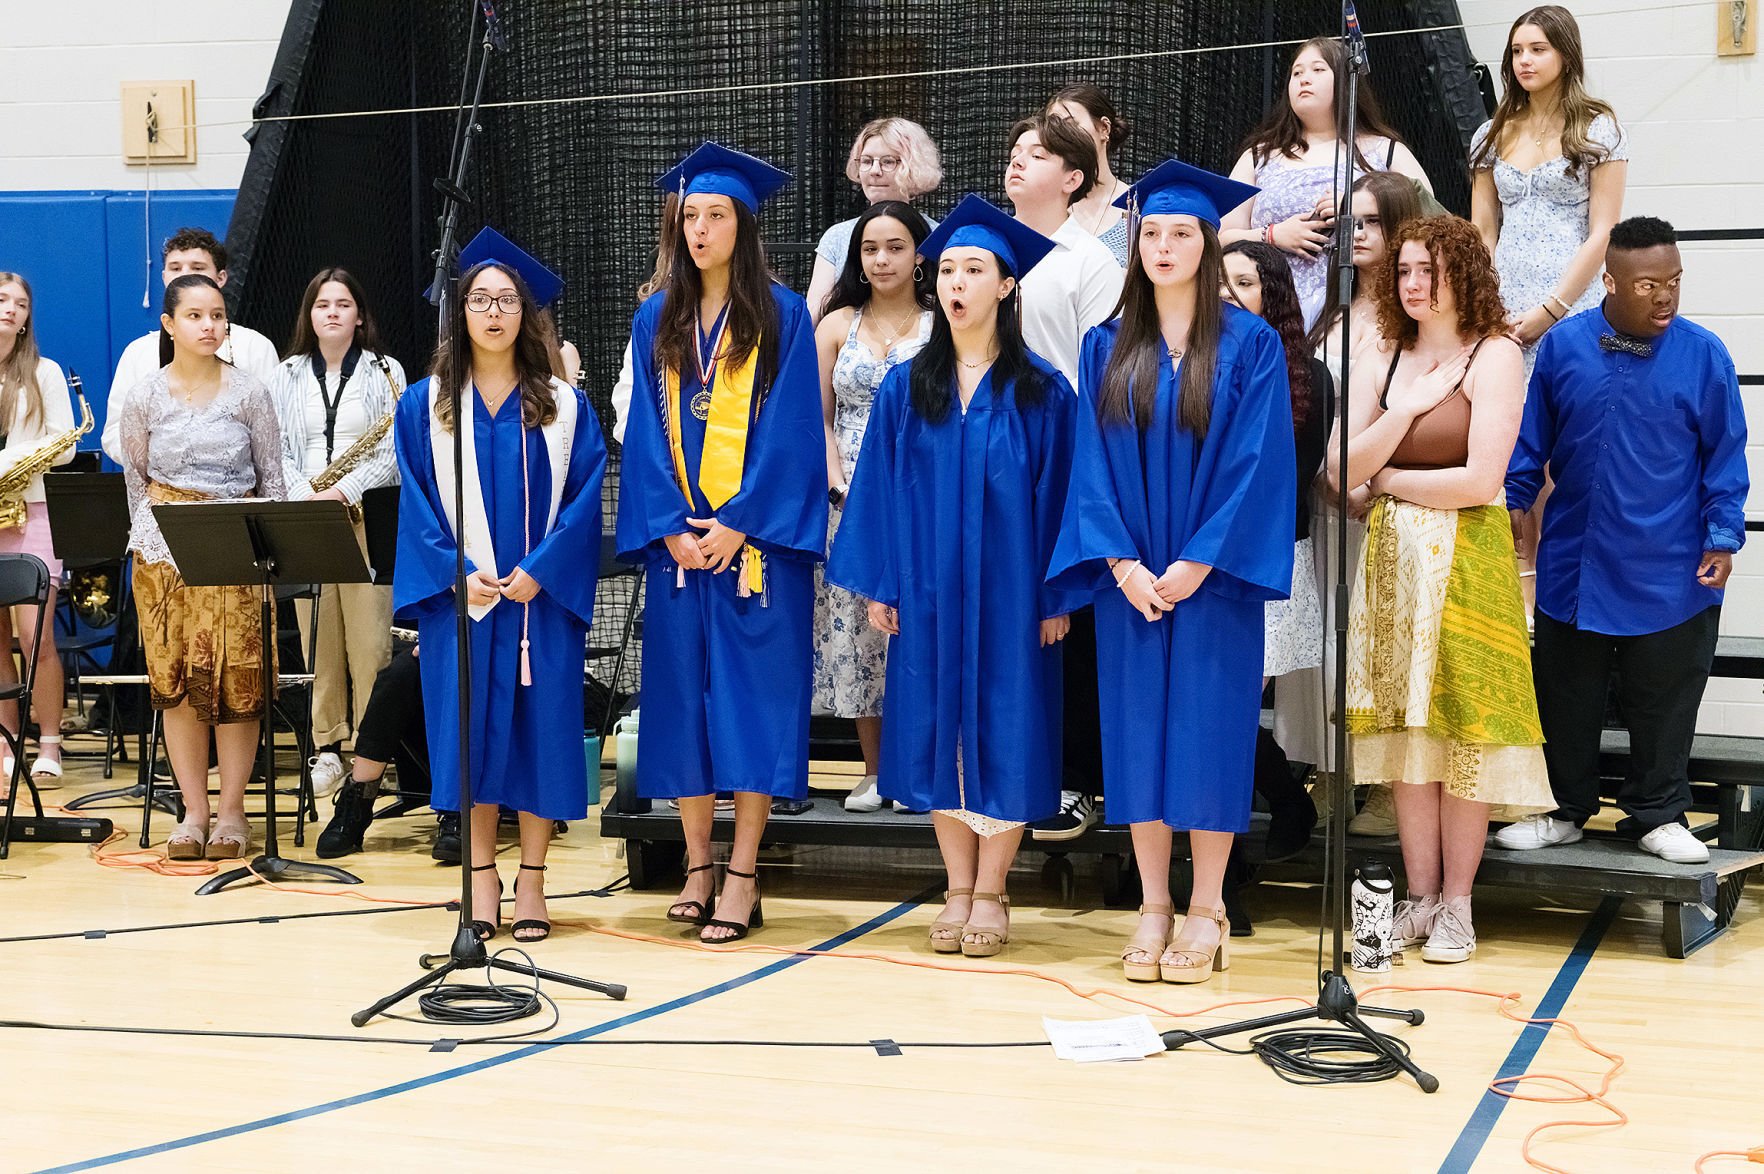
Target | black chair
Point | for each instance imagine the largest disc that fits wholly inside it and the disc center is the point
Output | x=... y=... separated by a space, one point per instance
x=24 y=582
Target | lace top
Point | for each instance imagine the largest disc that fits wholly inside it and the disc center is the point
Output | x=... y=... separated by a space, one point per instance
x=230 y=447
x=1292 y=188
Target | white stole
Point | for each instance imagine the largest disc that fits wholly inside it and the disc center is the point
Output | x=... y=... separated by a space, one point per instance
x=559 y=435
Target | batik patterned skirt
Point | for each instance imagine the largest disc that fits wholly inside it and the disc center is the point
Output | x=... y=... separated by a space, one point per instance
x=1439 y=666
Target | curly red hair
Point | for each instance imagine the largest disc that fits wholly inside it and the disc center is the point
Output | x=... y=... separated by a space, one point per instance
x=1460 y=256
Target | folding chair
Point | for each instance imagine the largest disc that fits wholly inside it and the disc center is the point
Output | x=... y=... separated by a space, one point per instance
x=24 y=582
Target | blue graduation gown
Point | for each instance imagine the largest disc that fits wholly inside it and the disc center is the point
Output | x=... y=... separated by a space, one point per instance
x=526 y=741
x=726 y=679
x=953 y=524
x=1181 y=696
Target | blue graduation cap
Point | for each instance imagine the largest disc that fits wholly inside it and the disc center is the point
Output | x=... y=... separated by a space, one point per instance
x=490 y=245
x=716 y=170
x=1175 y=187
x=982 y=225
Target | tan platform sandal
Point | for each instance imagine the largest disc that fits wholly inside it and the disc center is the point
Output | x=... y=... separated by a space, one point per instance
x=229 y=840
x=984 y=943
x=1136 y=970
x=189 y=841
x=946 y=936
x=1183 y=965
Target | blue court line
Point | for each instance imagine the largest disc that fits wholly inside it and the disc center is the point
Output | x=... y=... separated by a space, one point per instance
x=391 y=1090
x=1488 y=1110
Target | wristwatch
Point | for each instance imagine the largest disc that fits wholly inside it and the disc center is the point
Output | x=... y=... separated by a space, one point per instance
x=836 y=495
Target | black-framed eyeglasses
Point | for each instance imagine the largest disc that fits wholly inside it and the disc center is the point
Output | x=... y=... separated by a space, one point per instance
x=480 y=303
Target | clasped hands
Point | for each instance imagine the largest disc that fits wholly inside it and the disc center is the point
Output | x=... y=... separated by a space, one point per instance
x=713 y=551
x=517 y=586
x=1155 y=596
x=887 y=619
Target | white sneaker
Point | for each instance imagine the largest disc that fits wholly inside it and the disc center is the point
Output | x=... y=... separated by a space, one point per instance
x=1538 y=831
x=1673 y=842
x=1453 y=938
x=327 y=773
x=1412 y=922
x=864 y=797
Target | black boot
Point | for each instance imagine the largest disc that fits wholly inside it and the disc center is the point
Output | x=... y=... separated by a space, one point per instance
x=446 y=848
x=349 y=821
x=1292 y=813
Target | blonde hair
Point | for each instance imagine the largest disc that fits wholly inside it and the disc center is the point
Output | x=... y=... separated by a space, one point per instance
x=921 y=168
x=18 y=374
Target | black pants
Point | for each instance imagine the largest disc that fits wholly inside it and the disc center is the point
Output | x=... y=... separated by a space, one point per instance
x=1660 y=680
x=1081 y=744
x=392 y=727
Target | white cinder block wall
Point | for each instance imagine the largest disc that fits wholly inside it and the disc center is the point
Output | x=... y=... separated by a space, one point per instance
x=1696 y=127
x=61 y=69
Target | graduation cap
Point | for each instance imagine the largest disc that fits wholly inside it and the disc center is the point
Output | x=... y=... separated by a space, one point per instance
x=982 y=225
x=490 y=245
x=1174 y=187
x=716 y=170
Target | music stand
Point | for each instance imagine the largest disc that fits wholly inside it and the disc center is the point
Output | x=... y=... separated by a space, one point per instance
x=261 y=544
x=89 y=526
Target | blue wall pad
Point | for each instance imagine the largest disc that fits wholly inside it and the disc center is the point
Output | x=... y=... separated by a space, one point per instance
x=90 y=256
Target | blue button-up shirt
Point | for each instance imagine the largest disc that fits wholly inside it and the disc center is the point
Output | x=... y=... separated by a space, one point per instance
x=1648 y=456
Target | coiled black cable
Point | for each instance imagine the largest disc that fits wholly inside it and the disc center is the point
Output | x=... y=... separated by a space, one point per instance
x=1318 y=1056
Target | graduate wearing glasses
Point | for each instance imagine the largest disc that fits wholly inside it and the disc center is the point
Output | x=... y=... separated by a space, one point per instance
x=1180 y=516
x=948 y=530
x=533 y=462
x=723 y=498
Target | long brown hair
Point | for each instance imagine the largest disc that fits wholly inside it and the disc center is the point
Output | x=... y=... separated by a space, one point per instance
x=1398 y=201
x=664 y=247
x=1457 y=250
x=1579 y=108
x=1139 y=354
x=753 y=315
x=452 y=365
x=18 y=374
x=367 y=336
x=1282 y=310
x=1281 y=133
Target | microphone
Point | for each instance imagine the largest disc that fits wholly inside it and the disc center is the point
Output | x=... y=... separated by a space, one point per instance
x=1356 y=38
x=492 y=25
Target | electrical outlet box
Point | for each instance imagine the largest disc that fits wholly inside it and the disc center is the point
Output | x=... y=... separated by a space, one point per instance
x=159 y=122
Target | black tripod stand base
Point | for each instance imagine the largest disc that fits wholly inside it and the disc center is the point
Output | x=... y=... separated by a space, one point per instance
x=275 y=868
x=468 y=953
x=163 y=798
x=1335 y=1004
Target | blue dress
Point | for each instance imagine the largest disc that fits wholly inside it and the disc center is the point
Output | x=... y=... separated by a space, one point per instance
x=726 y=677
x=526 y=740
x=1181 y=696
x=953 y=524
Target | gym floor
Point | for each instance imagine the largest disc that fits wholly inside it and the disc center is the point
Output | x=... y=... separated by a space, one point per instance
x=692 y=1065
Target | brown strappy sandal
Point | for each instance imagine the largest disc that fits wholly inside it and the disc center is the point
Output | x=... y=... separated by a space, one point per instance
x=946 y=936
x=984 y=943
x=1182 y=964
x=1147 y=971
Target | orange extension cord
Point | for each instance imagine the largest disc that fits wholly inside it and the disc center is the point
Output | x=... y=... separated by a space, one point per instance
x=1575 y=1093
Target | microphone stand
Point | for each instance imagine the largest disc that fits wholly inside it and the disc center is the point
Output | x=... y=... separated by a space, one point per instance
x=467 y=952
x=1336 y=1002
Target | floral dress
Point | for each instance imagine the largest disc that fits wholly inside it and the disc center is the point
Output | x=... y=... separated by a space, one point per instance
x=1292 y=188
x=1545 y=216
x=850 y=655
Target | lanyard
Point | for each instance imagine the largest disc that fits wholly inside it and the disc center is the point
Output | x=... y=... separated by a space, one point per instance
x=333 y=403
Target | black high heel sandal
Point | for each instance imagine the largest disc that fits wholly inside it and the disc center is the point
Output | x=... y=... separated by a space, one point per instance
x=756 y=917
x=487 y=929
x=703 y=907
x=530 y=924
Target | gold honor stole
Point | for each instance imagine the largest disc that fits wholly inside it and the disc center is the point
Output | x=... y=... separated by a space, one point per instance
x=725 y=449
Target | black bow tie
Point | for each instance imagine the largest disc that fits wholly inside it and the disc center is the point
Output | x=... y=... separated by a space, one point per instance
x=1622 y=342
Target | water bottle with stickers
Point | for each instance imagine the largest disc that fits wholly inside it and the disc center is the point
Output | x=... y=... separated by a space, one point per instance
x=1373 y=894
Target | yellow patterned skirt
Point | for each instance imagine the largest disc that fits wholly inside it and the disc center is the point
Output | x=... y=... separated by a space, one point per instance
x=1439 y=667
x=204 y=645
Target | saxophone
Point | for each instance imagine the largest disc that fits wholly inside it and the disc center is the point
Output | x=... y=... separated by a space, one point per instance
x=346 y=461
x=40 y=460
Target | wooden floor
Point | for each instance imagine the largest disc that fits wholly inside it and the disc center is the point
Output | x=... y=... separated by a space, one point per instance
x=1691 y=1032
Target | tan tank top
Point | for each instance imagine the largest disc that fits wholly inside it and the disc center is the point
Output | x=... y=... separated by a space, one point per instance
x=1439 y=438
